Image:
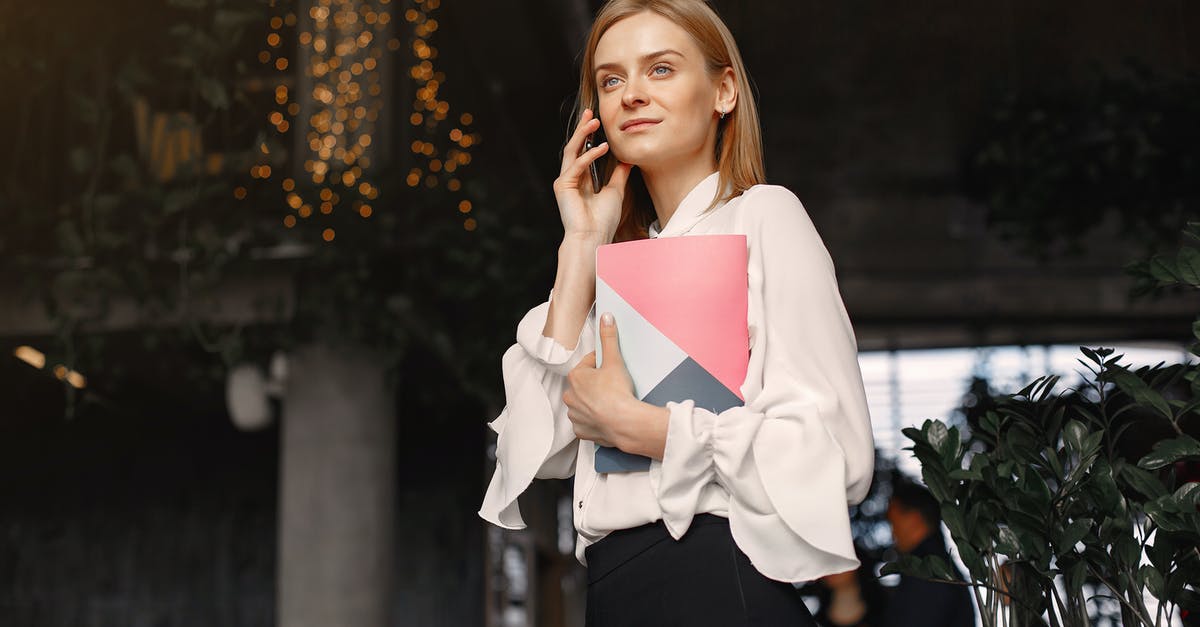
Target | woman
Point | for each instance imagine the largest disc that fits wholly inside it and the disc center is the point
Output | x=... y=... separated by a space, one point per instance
x=735 y=507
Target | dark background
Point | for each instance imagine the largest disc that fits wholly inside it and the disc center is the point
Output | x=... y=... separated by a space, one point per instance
x=137 y=502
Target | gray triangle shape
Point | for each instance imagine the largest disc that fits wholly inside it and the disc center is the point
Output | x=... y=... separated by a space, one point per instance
x=690 y=380
x=687 y=381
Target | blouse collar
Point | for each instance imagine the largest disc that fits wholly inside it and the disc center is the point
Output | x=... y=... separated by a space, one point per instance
x=690 y=210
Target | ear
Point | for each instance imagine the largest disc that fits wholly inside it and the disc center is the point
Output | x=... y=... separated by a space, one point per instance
x=726 y=91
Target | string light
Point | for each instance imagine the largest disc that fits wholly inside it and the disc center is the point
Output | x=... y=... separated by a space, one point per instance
x=339 y=48
x=339 y=51
x=442 y=161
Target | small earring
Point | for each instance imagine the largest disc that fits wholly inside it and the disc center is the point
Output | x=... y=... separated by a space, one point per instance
x=722 y=114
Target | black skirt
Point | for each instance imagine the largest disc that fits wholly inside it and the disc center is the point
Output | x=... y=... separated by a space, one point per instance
x=642 y=576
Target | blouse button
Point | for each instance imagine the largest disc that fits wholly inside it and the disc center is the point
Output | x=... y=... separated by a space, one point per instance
x=581 y=505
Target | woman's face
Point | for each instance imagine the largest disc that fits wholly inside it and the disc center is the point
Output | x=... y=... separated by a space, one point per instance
x=648 y=68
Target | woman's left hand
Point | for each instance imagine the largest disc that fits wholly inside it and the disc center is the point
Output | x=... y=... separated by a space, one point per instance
x=599 y=399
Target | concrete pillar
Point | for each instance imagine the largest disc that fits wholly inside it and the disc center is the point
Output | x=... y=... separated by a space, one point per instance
x=337 y=490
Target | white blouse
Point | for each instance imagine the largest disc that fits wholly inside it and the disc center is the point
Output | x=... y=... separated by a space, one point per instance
x=782 y=468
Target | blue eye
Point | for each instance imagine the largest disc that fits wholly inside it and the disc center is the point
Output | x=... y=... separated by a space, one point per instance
x=605 y=82
x=662 y=67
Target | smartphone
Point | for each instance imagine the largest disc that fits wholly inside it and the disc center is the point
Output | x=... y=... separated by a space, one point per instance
x=596 y=166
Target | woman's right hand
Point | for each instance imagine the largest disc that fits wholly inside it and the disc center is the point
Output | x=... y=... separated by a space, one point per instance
x=585 y=214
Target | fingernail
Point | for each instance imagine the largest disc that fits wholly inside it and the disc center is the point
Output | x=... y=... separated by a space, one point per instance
x=606 y=319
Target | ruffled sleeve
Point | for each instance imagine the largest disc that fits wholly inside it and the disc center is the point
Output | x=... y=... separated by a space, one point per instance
x=800 y=450
x=535 y=437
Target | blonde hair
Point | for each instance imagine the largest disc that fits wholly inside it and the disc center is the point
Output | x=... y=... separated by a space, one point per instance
x=739 y=153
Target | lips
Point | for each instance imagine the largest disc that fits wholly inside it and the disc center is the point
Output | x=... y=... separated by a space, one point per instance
x=638 y=123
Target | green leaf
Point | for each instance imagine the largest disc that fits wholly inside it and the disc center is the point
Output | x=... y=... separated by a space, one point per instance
x=936 y=433
x=1189 y=600
x=1034 y=542
x=1076 y=575
x=1161 y=511
x=1188 y=266
x=991 y=420
x=1078 y=472
x=929 y=458
x=1159 y=269
x=1046 y=385
x=1141 y=393
x=909 y=565
x=1187 y=497
x=1073 y=435
x=938 y=567
x=1053 y=461
x=966 y=474
x=1053 y=423
x=1116 y=525
x=980 y=534
x=1091 y=443
x=952 y=516
x=974 y=471
x=1027 y=391
x=937 y=483
x=1023 y=443
x=891 y=568
x=1174 y=582
x=1073 y=534
x=951 y=448
x=1143 y=481
x=1128 y=550
x=1166 y=452
x=1037 y=491
x=1104 y=488
x=976 y=568
x=1007 y=542
x=1150 y=578
x=1162 y=551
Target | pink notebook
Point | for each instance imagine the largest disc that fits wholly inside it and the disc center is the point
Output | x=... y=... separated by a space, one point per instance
x=680 y=306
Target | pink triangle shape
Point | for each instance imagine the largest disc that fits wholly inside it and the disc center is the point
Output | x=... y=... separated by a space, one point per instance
x=693 y=289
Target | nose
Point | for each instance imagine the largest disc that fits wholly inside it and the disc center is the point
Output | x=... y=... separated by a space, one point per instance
x=633 y=94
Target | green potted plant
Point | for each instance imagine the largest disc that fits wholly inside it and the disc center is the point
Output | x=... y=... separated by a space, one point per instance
x=1058 y=499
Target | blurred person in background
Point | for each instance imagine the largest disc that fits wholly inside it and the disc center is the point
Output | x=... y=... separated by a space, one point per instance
x=916 y=521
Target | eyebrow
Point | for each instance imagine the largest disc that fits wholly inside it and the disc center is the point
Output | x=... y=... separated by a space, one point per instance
x=644 y=58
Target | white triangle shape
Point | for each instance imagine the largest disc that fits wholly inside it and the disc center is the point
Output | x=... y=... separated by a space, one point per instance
x=649 y=355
